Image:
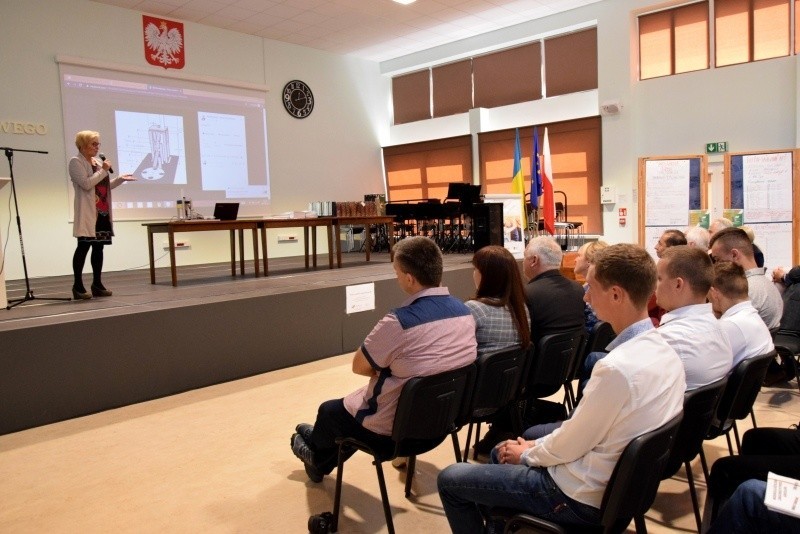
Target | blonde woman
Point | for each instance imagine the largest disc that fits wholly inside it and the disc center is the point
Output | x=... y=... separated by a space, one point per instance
x=585 y=258
x=91 y=178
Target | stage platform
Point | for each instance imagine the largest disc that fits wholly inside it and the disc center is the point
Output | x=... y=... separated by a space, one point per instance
x=61 y=360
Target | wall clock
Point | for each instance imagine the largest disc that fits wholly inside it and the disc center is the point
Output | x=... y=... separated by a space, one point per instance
x=298 y=99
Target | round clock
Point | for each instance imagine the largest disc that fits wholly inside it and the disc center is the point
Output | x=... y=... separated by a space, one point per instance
x=298 y=99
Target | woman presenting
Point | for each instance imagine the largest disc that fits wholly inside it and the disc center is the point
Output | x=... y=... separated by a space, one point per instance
x=93 y=224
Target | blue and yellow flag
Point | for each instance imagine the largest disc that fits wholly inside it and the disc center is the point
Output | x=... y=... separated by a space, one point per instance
x=518 y=182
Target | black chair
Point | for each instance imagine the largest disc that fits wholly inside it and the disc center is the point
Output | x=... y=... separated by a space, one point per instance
x=601 y=335
x=699 y=407
x=787 y=345
x=496 y=385
x=427 y=410
x=737 y=400
x=631 y=489
x=549 y=367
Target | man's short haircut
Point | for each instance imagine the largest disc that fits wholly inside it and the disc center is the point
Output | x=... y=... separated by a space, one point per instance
x=733 y=238
x=730 y=280
x=591 y=248
x=692 y=265
x=673 y=238
x=548 y=250
x=629 y=267
x=421 y=258
x=697 y=236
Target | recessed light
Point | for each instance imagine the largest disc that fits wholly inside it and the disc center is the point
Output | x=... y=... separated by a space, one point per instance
x=405 y=2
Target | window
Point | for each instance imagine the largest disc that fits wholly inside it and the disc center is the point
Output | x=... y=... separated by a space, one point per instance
x=419 y=171
x=575 y=151
x=750 y=30
x=570 y=62
x=411 y=97
x=673 y=41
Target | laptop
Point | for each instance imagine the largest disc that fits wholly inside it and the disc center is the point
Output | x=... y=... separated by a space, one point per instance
x=226 y=211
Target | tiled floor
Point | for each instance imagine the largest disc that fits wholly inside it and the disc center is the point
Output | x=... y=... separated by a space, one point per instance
x=218 y=460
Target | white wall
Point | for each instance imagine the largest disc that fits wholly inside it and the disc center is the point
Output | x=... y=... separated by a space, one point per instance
x=332 y=155
x=752 y=106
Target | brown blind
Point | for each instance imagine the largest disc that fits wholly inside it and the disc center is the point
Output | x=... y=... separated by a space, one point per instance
x=691 y=37
x=508 y=77
x=732 y=27
x=411 y=97
x=770 y=29
x=423 y=170
x=575 y=151
x=452 y=88
x=673 y=41
x=570 y=62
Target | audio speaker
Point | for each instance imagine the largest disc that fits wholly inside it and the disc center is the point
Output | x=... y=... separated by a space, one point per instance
x=487 y=225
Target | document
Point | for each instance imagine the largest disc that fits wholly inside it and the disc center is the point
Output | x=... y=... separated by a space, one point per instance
x=360 y=298
x=783 y=495
x=667 y=193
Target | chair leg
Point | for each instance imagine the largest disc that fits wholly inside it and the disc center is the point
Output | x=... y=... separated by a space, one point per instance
x=477 y=439
x=693 y=492
x=641 y=528
x=387 y=510
x=337 y=499
x=704 y=464
x=412 y=464
x=753 y=418
x=736 y=435
x=456 y=446
x=469 y=439
x=730 y=445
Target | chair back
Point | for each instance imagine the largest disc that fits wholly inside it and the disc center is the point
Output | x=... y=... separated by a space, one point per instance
x=634 y=482
x=429 y=407
x=740 y=394
x=699 y=407
x=598 y=339
x=497 y=382
x=552 y=362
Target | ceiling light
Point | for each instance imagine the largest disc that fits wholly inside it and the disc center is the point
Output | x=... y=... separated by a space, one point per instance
x=405 y=2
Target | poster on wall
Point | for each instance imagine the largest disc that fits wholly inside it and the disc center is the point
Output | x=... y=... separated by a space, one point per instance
x=513 y=231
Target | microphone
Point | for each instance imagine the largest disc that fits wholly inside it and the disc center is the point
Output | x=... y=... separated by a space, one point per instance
x=103 y=158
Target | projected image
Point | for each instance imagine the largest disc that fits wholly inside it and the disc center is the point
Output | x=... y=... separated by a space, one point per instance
x=223 y=150
x=153 y=145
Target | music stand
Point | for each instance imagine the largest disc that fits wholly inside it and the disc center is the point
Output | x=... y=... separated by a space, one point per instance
x=28 y=292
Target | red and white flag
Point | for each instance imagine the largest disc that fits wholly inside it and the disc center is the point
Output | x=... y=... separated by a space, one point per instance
x=548 y=200
x=163 y=42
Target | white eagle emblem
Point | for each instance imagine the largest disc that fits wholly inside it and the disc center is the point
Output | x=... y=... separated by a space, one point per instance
x=165 y=43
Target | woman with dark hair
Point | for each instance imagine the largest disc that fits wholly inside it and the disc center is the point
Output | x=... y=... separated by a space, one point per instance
x=501 y=316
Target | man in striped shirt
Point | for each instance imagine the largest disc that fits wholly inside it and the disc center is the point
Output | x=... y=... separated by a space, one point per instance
x=431 y=332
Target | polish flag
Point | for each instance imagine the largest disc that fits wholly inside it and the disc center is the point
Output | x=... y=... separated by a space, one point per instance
x=548 y=201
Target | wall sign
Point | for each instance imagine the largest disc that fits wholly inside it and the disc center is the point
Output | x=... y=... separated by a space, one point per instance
x=163 y=42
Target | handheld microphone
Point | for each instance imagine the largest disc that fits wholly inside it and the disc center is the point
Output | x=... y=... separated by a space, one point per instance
x=103 y=158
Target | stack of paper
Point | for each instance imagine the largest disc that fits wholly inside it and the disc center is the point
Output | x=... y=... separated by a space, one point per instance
x=783 y=495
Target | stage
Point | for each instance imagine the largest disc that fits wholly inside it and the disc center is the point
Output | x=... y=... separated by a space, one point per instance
x=67 y=359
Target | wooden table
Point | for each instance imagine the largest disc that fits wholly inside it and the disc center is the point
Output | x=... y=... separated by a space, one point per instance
x=172 y=227
x=365 y=221
x=305 y=224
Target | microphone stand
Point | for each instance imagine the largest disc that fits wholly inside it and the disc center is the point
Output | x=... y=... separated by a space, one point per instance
x=28 y=292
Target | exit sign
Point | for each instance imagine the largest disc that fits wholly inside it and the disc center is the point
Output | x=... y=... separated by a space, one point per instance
x=717 y=148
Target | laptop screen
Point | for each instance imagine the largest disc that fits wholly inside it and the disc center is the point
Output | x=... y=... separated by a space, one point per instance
x=226 y=211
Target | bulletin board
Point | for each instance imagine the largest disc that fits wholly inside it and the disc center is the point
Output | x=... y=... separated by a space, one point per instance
x=764 y=186
x=672 y=194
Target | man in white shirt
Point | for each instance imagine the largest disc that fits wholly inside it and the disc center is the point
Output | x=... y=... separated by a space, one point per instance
x=689 y=326
x=739 y=320
x=636 y=388
x=732 y=244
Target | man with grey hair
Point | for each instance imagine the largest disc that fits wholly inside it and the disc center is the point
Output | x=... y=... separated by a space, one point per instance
x=554 y=301
x=698 y=237
x=718 y=224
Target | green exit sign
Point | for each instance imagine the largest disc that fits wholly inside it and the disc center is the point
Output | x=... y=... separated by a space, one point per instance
x=717 y=148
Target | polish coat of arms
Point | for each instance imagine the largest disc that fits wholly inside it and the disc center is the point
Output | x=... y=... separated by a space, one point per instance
x=163 y=42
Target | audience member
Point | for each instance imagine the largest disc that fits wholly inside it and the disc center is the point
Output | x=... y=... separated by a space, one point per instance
x=582 y=261
x=781 y=276
x=431 y=332
x=719 y=224
x=670 y=238
x=498 y=307
x=788 y=335
x=732 y=244
x=746 y=513
x=739 y=320
x=689 y=326
x=638 y=387
x=697 y=236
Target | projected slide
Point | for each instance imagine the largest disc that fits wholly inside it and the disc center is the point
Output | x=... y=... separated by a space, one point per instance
x=206 y=142
x=153 y=145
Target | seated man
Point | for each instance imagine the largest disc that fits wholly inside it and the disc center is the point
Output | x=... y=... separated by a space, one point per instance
x=684 y=278
x=746 y=513
x=430 y=333
x=732 y=244
x=670 y=238
x=739 y=320
x=637 y=388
